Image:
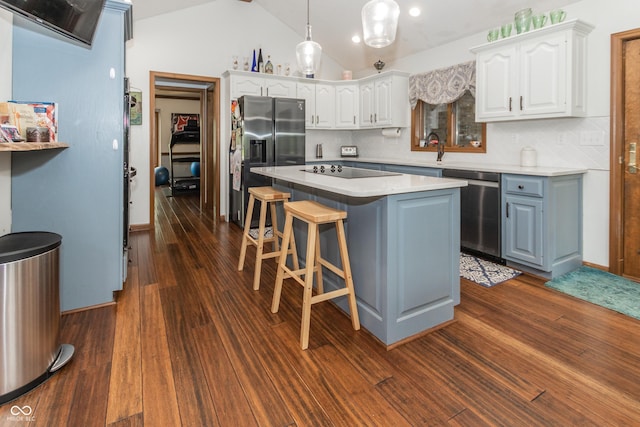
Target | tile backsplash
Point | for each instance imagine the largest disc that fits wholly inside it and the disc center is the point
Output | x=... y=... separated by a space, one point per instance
x=571 y=142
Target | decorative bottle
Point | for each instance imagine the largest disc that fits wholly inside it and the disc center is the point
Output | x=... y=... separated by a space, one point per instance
x=268 y=67
x=260 y=62
x=254 y=64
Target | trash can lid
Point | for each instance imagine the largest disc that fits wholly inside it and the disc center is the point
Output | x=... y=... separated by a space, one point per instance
x=17 y=246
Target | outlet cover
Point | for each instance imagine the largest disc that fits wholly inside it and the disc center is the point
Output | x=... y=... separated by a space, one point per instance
x=592 y=138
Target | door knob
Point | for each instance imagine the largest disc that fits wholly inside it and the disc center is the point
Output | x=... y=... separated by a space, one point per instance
x=632 y=158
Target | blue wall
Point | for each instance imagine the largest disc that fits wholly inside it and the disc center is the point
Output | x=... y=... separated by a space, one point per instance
x=77 y=191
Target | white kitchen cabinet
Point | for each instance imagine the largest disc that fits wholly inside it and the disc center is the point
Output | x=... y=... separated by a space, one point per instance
x=347 y=106
x=319 y=104
x=243 y=83
x=384 y=100
x=533 y=75
x=542 y=223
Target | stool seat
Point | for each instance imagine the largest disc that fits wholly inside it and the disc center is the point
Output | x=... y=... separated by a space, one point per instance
x=268 y=197
x=267 y=194
x=314 y=214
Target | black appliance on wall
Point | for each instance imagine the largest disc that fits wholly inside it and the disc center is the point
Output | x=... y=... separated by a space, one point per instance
x=76 y=20
x=269 y=132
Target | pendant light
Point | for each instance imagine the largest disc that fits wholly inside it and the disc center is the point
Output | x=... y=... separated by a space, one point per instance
x=308 y=52
x=380 y=22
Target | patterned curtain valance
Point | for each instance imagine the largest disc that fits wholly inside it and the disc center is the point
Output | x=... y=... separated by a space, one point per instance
x=443 y=86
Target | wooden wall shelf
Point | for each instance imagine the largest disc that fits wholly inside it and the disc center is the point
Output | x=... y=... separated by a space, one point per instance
x=31 y=146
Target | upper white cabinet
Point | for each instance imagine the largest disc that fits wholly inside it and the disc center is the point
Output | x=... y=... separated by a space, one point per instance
x=259 y=85
x=319 y=104
x=538 y=74
x=384 y=100
x=373 y=102
x=347 y=105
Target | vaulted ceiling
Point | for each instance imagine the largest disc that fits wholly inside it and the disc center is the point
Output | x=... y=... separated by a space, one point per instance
x=334 y=22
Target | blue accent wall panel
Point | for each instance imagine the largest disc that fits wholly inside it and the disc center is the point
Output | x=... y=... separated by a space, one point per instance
x=76 y=192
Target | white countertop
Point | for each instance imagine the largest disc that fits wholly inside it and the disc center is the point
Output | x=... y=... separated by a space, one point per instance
x=482 y=167
x=359 y=187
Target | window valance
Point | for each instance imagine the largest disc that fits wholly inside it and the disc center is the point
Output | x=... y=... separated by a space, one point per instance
x=443 y=86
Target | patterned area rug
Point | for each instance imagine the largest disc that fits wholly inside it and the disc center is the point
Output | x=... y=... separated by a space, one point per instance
x=483 y=272
x=268 y=232
x=601 y=288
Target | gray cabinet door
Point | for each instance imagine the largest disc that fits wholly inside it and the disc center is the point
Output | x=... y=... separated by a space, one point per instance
x=524 y=230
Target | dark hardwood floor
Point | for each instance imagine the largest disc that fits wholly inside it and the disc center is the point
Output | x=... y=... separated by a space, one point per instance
x=190 y=343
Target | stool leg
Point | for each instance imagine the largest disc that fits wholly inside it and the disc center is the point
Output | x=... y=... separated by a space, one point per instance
x=260 y=248
x=245 y=234
x=274 y=226
x=348 y=279
x=318 y=265
x=277 y=289
x=312 y=236
x=294 y=253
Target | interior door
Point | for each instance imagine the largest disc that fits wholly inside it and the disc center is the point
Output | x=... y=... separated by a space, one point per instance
x=631 y=176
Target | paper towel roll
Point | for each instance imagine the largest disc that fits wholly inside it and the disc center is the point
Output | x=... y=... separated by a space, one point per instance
x=392 y=132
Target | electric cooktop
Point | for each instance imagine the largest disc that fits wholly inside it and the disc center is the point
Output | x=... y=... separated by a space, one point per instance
x=347 y=172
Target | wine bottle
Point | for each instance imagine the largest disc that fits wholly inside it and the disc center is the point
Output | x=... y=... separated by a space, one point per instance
x=268 y=67
x=260 y=62
x=254 y=64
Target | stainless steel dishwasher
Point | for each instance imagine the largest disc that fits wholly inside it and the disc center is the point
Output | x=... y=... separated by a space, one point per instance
x=480 y=223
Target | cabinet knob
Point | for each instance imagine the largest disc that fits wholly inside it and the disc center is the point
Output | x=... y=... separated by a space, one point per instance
x=520 y=102
x=520 y=187
x=510 y=99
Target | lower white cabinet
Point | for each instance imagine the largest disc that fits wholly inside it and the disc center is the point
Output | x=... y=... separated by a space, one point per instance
x=542 y=222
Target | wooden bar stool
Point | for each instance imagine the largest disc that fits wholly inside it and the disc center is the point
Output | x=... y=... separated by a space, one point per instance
x=268 y=196
x=314 y=214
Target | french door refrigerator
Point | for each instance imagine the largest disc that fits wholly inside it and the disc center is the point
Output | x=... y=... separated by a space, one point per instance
x=270 y=132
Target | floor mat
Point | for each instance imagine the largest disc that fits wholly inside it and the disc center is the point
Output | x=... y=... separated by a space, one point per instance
x=601 y=288
x=483 y=272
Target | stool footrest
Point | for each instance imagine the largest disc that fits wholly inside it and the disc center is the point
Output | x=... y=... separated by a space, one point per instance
x=296 y=274
x=329 y=295
x=332 y=267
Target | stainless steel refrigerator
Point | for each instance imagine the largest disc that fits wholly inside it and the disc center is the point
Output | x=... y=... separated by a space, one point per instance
x=269 y=132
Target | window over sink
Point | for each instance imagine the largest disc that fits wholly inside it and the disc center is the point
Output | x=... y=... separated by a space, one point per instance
x=444 y=106
x=454 y=125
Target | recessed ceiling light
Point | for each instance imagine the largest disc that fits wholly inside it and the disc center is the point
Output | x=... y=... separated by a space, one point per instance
x=355 y=39
x=414 y=11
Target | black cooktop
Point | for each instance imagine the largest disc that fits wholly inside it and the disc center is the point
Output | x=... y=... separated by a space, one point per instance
x=347 y=172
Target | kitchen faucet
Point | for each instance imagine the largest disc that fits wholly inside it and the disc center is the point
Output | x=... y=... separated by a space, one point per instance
x=440 y=151
x=434 y=139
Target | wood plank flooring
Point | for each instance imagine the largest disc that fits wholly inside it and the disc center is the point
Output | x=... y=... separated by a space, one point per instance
x=190 y=343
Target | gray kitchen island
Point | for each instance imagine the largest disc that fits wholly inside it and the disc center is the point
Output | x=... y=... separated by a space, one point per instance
x=403 y=236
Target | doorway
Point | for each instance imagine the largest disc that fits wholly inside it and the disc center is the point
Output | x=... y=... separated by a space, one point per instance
x=206 y=91
x=624 y=228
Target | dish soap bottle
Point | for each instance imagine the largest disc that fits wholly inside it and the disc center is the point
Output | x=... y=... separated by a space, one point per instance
x=268 y=67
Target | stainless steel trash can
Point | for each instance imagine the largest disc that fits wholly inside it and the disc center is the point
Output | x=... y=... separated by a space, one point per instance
x=30 y=349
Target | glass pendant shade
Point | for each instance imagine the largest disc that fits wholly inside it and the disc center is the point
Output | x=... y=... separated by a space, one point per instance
x=380 y=22
x=308 y=55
